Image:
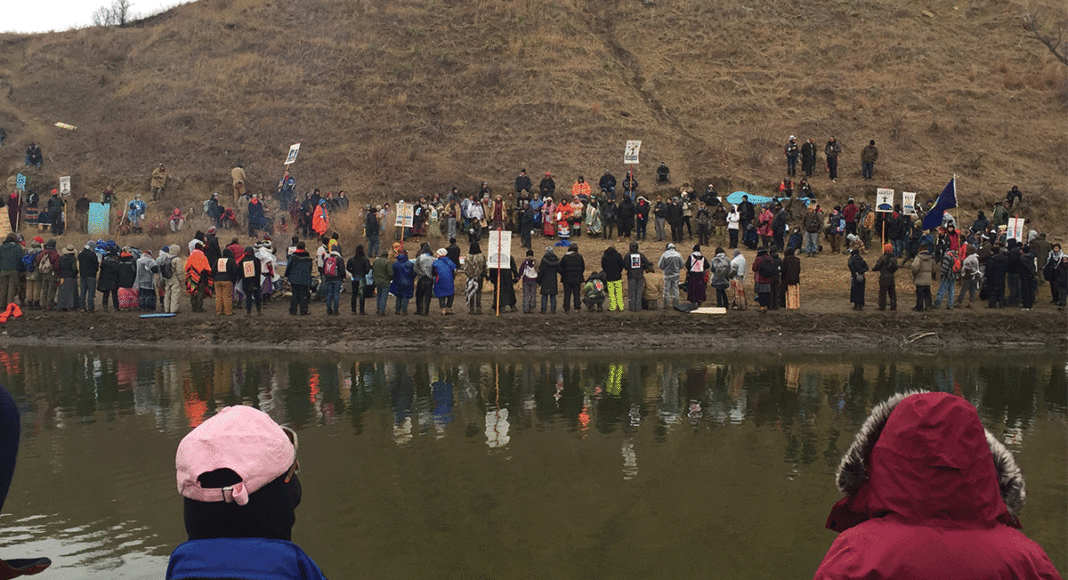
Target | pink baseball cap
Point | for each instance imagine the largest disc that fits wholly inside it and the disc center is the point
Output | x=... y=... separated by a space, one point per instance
x=241 y=439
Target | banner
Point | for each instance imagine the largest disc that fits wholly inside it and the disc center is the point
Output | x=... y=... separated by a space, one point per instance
x=946 y=200
x=405 y=215
x=293 y=150
x=99 y=219
x=20 y=182
x=64 y=185
x=630 y=152
x=65 y=126
x=884 y=200
x=500 y=250
x=908 y=202
x=5 y=223
x=1015 y=230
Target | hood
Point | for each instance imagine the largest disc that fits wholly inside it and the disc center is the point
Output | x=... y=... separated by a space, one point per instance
x=634 y=247
x=923 y=457
x=551 y=259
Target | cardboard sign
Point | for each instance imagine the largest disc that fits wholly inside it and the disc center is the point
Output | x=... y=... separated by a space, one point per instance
x=405 y=215
x=64 y=185
x=1015 y=230
x=908 y=202
x=500 y=250
x=293 y=150
x=884 y=200
x=630 y=152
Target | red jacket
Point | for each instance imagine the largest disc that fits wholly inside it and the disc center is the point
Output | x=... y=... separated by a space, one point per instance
x=923 y=499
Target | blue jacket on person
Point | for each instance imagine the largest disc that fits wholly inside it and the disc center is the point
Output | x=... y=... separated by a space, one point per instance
x=246 y=558
x=444 y=276
x=403 y=284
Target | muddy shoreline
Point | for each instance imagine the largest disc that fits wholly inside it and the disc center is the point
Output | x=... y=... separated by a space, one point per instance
x=778 y=332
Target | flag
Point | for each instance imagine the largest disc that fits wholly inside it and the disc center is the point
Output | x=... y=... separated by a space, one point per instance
x=946 y=200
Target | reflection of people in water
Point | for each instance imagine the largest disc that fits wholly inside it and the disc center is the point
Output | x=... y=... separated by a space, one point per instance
x=401 y=393
x=930 y=494
x=441 y=395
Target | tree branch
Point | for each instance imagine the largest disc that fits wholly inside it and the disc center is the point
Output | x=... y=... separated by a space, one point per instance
x=1053 y=41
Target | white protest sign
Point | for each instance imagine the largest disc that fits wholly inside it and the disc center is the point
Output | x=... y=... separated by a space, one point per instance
x=630 y=152
x=1015 y=229
x=908 y=202
x=884 y=200
x=500 y=250
x=64 y=185
x=293 y=150
x=405 y=215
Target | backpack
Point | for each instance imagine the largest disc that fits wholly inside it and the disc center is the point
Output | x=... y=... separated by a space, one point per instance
x=166 y=269
x=330 y=266
x=530 y=272
x=45 y=267
x=27 y=262
x=767 y=268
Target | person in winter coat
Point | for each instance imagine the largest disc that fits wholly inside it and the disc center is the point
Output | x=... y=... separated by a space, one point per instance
x=382 y=274
x=88 y=267
x=950 y=268
x=868 y=156
x=721 y=269
x=257 y=220
x=299 y=273
x=424 y=279
x=33 y=277
x=636 y=264
x=250 y=270
x=48 y=274
x=444 y=271
x=923 y=274
x=929 y=494
x=108 y=281
x=403 y=284
x=764 y=269
x=612 y=265
x=333 y=272
x=504 y=280
x=625 y=212
x=886 y=266
x=641 y=217
x=697 y=267
x=671 y=265
x=475 y=271
x=198 y=280
x=572 y=275
x=359 y=266
x=791 y=279
x=170 y=262
x=996 y=270
x=67 y=293
x=528 y=275
x=224 y=271
x=548 y=272
x=832 y=150
x=857 y=273
x=764 y=227
x=737 y=276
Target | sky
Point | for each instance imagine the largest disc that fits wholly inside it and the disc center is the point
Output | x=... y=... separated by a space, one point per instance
x=45 y=15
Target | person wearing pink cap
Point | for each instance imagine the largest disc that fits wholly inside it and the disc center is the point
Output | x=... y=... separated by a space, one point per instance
x=237 y=473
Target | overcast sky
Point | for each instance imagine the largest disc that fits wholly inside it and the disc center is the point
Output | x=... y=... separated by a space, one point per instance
x=45 y=15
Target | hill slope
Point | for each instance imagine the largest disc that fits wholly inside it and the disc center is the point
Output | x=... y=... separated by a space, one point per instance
x=394 y=98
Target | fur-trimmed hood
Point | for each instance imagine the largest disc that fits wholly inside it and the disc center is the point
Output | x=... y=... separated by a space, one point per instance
x=927 y=456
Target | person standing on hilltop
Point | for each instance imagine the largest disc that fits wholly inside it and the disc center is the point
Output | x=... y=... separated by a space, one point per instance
x=607 y=184
x=630 y=184
x=868 y=157
x=237 y=175
x=159 y=182
x=832 y=150
x=808 y=157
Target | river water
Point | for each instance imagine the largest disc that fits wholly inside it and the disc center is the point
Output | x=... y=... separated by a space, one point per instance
x=538 y=465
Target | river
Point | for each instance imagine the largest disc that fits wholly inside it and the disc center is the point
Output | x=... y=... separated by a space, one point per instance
x=538 y=465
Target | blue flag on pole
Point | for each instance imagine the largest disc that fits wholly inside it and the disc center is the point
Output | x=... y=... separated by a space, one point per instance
x=946 y=200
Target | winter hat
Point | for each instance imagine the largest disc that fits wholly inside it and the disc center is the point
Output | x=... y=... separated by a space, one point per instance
x=548 y=250
x=671 y=246
x=242 y=439
x=69 y=249
x=212 y=230
x=442 y=252
x=887 y=248
x=39 y=240
x=165 y=249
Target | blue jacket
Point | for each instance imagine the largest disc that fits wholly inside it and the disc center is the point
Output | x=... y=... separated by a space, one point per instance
x=444 y=275
x=251 y=558
x=403 y=284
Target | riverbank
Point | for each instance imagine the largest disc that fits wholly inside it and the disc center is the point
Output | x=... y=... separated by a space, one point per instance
x=816 y=330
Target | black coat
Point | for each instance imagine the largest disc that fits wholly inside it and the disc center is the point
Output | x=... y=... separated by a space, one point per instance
x=127 y=272
x=572 y=268
x=109 y=274
x=88 y=264
x=548 y=272
x=612 y=263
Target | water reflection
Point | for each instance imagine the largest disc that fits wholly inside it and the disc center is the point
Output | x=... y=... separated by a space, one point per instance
x=791 y=419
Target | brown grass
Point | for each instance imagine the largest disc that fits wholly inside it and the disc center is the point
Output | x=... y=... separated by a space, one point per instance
x=390 y=98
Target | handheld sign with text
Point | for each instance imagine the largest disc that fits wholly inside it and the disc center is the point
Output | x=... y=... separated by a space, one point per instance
x=293 y=150
x=630 y=152
x=884 y=200
x=20 y=182
x=1015 y=230
x=908 y=202
x=500 y=250
x=405 y=215
x=64 y=185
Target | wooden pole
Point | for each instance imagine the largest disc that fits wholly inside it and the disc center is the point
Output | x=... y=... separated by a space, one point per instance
x=497 y=287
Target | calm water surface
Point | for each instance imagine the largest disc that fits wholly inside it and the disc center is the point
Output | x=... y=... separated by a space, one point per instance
x=546 y=465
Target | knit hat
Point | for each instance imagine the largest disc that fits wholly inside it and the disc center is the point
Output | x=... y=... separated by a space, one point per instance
x=442 y=252
x=242 y=439
x=887 y=248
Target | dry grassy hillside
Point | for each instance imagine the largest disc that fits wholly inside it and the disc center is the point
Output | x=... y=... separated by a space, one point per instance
x=393 y=98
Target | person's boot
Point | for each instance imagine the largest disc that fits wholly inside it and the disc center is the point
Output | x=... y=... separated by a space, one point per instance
x=471 y=310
